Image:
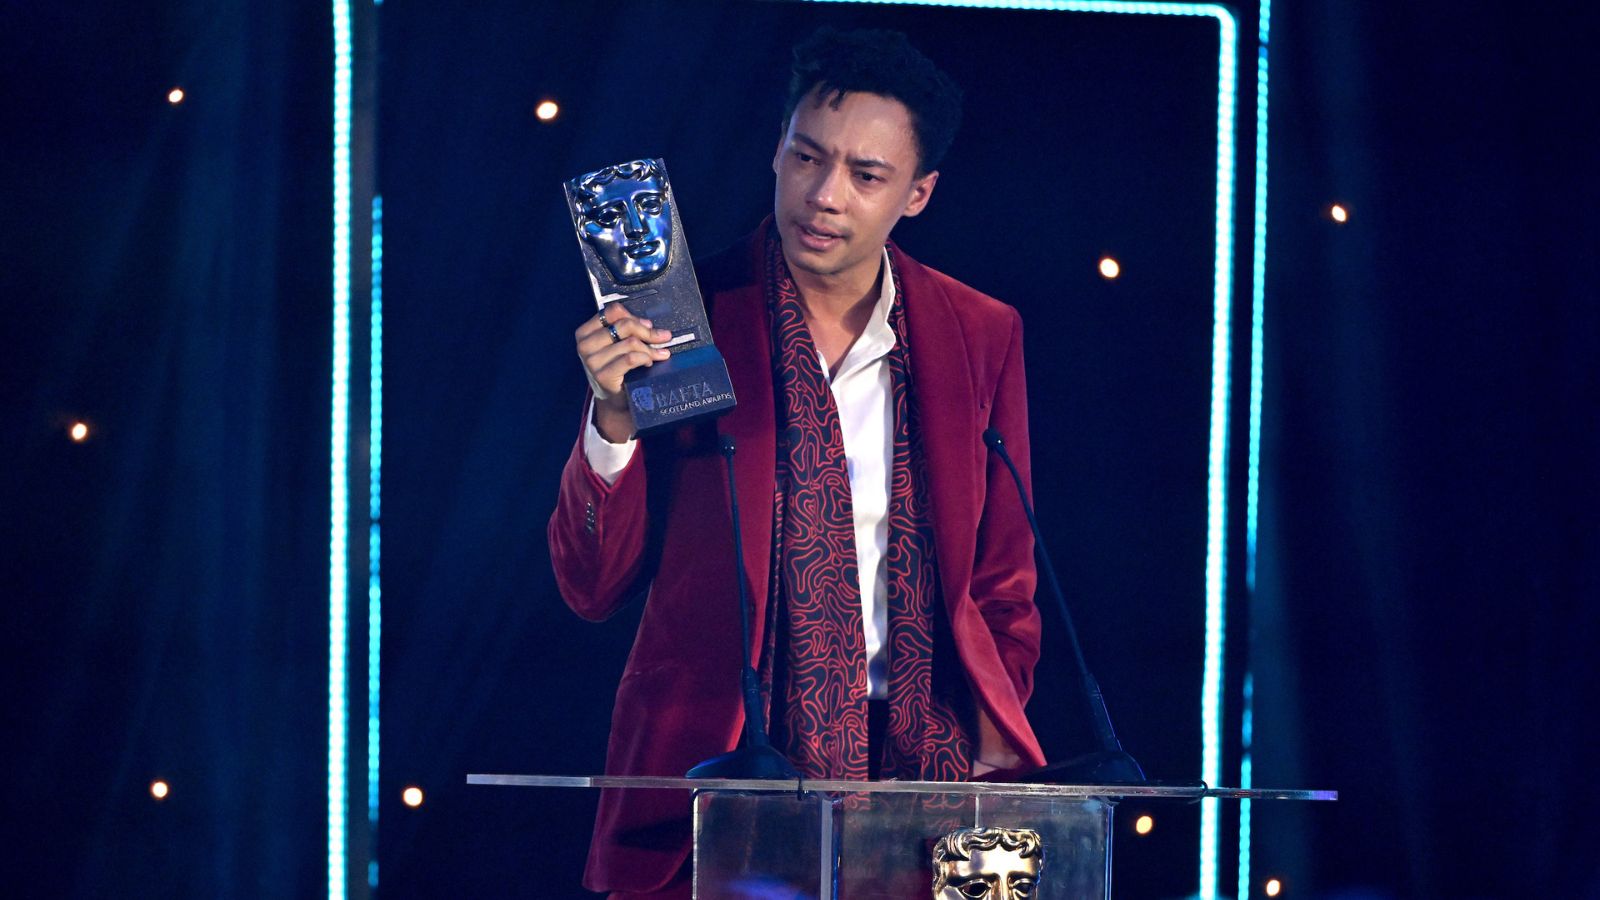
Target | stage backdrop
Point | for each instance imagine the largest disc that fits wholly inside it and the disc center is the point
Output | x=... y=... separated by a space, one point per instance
x=1085 y=135
x=1426 y=608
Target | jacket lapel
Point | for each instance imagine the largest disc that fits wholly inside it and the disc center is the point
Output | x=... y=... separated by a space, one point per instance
x=740 y=327
x=941 y=372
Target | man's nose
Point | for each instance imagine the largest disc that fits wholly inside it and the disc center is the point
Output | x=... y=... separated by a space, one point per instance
x=826 y=190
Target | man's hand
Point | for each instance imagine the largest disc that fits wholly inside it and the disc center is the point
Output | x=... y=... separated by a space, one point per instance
x=610 y=345
x=993 y=751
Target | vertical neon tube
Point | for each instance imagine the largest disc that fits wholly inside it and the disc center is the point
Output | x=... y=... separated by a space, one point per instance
x=1211 y=680
x=339 y=487
x=1258 y=293
x=374 y=510
x=1246 y=763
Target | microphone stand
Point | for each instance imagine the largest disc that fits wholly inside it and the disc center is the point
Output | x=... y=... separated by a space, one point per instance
x=1109 y=764
x=757 y=758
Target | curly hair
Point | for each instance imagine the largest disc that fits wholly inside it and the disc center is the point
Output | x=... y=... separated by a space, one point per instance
x=833 y=62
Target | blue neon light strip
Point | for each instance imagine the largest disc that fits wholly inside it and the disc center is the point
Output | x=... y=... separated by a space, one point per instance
x=1258 y=293
x=374 y=512
x=1258 y=290
x=1211 y=681
x=1095 y=6
x=1211 y=695
x=339 y=489
x=1246 y=764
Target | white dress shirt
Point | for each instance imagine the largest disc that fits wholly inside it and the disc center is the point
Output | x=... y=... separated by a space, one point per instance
x=862 y=393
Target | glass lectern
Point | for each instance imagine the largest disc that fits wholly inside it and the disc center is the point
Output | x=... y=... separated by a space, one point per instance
x=854 y=840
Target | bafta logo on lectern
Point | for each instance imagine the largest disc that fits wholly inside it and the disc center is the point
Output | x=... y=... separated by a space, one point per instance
x=633 y=245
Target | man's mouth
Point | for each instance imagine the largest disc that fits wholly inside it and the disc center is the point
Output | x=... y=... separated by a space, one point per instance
x=641 y=250
x=817 y=238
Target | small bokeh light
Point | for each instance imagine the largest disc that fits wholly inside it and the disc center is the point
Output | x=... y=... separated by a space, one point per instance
x=547 y=110
x=175 y=96
x=1273 y=887
x=1109 y=268
x=1338 y=213
x=79 y=432
x=1144 y=824
x=159 y=789
x=411 y=796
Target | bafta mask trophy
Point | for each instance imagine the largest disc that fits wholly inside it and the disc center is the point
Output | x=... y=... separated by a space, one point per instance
x=633 y=245
x=987 y=864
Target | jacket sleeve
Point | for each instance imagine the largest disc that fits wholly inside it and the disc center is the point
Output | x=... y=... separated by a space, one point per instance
x=1004 y=577
x=597 y=534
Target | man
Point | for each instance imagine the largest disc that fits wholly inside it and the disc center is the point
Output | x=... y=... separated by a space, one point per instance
x=889 y=560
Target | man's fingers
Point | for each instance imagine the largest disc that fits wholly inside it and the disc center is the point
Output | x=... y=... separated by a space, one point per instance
x=610 y=374
x=603 y=356
x=592 y=336
x=630 y=354
x=607 y=357
x=614 y=313
x=630 y=330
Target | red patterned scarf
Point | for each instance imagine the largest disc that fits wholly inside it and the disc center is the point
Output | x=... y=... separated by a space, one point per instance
x=821 y=670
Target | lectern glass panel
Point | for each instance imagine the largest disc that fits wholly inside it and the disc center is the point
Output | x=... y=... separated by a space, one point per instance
x=883 y=846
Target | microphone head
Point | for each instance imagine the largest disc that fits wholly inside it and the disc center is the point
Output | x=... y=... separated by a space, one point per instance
x=727 y=445
x=991 y=436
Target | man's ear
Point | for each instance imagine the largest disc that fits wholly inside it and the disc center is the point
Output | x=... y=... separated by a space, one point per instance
x=777 y=152
x=921 y=191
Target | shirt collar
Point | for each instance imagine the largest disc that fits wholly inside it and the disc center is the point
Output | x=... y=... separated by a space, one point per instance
x=878 y=338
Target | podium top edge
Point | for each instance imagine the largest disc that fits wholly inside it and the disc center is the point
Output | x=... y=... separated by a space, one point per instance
x=1097 y=791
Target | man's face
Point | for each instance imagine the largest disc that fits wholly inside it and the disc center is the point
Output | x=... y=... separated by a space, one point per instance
x=845 y=177
x=629 y=225
x=996 y=874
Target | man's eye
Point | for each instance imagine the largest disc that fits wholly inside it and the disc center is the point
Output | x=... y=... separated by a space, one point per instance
x=804 y=157
x=868 y=177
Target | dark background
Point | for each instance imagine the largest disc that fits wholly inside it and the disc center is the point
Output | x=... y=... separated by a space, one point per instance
x=1429 y=555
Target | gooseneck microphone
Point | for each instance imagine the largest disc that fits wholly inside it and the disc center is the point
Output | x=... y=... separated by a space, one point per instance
x=1109 y=764
x=757 y=758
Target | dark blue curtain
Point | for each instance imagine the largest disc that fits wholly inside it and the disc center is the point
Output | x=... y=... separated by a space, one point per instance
x=164 y=270
x=1431 y=528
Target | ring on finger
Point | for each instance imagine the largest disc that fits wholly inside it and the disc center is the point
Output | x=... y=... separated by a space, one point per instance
x=615 y=338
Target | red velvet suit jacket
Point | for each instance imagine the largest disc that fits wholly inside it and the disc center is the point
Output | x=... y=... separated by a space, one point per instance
x=665 y=523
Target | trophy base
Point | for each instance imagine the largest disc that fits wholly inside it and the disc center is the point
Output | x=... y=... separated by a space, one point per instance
x=693 y=383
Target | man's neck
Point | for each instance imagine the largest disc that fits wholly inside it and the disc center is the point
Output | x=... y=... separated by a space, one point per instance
x=846 y=299
x=838 y=308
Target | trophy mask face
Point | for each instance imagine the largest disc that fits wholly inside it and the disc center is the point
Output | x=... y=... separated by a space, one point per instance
x=989 y=875
x=974 y=871
x=629 y=224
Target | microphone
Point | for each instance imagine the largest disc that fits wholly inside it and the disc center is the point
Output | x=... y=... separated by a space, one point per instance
x=1110 y=764
x=757 y=758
